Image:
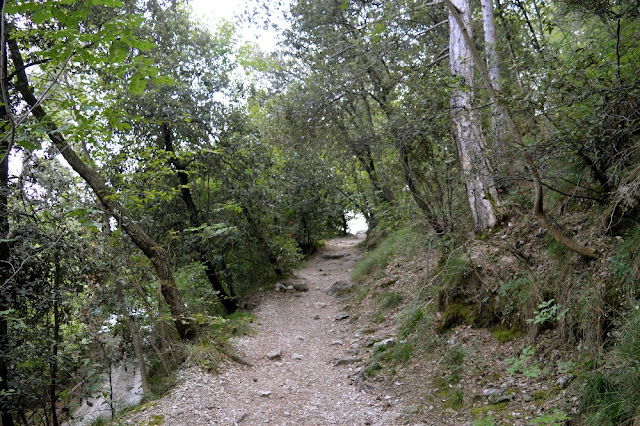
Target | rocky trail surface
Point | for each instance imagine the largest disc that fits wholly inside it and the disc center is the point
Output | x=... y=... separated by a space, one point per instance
x=304 y=363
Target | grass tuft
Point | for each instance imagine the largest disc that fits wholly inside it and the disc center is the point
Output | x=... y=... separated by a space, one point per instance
x=389 y=300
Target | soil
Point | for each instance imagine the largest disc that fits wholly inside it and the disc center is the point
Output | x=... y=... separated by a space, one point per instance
x=313 y=380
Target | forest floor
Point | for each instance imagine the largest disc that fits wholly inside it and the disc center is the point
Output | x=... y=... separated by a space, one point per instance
x=305 y=356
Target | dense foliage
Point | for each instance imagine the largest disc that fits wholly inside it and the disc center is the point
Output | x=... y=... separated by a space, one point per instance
x=135 y=155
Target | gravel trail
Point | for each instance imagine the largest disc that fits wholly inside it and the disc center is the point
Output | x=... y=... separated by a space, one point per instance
x=301 y=386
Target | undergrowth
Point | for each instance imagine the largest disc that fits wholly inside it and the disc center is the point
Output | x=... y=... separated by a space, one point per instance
x=401 y=244
x=592 y=306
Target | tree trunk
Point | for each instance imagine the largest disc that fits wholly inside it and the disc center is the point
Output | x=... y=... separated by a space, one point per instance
x=135 y=335
x=382 y=193
x=156 y=254
x=417 y=197
x=477 y=173
x=563 y=239
x=498 y=125
x=6 y=418
x=226 y=298
x=53 y=364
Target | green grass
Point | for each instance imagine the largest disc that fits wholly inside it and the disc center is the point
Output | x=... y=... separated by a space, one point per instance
x=389 y=300
x=411 y=322
x=613 y=397
x=629 y=340
x=609 y=400
x=554 y=248
x=402 y=243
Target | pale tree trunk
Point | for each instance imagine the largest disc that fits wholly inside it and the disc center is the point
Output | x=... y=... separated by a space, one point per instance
x=481 y=188
x=516 y=134
x=493 y=65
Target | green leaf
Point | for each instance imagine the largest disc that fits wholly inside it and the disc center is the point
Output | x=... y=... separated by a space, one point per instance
x=137 y=84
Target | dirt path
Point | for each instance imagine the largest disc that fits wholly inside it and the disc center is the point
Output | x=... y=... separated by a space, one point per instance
x=303 y=386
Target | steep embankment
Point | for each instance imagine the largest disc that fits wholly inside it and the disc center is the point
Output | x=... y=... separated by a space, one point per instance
x=305 y=356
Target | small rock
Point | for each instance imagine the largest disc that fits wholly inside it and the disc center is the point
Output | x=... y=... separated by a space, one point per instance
x=289 y=288
x=346 y=361
x=296 y=356
x=497 y=395
x=316 y=317
x=320 y=305
x=264 y=394
x=242 y=417
x=339 y=288
x=384 y=343
x=299 y=338
x=300 y=287
x=275 y=354
x=336 y=343
x=526 y=397
x=412 y=409
x=281 y=288
x=391 y=418
x=341 y=316
x=563 y=381
x=490 y=392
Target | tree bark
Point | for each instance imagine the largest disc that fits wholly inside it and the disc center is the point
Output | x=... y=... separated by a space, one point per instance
x=6 y=418
x=156 y=254
x=135 y=335
x=477 y=172
x=498 y=125
x=563 y=239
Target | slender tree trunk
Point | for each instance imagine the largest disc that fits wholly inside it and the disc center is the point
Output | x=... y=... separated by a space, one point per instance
x=366 y=160
x=415 y=193
x=481 y=190
x=226 y=298
x=135 y=335
x=53 y=365
x=6 y=418
x=156 y=254
x=493 y=64
x=571 y=244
